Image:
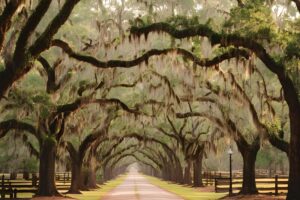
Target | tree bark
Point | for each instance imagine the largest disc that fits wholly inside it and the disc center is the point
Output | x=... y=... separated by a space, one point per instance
x=76 y=180
x=47 y=185
x=294 y=156
x=91 y=178
x=187 y=174
x=198 y=170
x=178 y=173
x=292 y=98
x=249 y=158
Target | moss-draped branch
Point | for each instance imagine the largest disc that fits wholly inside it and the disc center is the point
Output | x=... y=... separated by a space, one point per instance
x=13 y=124
x=206 y=62
x=6 y=18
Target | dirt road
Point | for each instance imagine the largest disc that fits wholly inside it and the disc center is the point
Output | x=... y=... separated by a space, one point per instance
x=137 y=187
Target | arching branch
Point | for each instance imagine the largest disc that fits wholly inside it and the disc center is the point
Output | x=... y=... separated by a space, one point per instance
x=227 y=40
x=32 y=150
x=232 y=53
x=68 y=108
x=6 y=18
x=151 y=158
x=167 y=134
x=13 y=124
x=223 y=39
x=44 y=41
x=97 y=135
x=52 y=86
x=29 y=28
x=117 y=153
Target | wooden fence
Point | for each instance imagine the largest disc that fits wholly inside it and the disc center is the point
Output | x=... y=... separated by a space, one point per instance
x=12 y=187
x=276 y=185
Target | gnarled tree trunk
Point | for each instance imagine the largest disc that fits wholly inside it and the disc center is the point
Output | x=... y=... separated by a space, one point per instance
x=47 y=185
x=294 y=156
x=76 y=180
x=198 y=170
x=91 y=179
x=249 y=158
x=187 y=173
x=178 y=173
x=249 y=153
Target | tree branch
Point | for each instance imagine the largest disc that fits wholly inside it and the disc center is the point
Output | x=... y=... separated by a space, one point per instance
x=68 y=108
x=13 y=124
x=85 y=144
x=6 y=17
x=29 y=28
x=279 y=143
x=51 y=80
x=223 y=39
x=32 y=150
x=227 y=40
x=167 y=134
x=44 y=41
x=232 y=53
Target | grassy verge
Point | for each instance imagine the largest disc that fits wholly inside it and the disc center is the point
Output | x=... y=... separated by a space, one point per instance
x=188 y=193
x=98 y=194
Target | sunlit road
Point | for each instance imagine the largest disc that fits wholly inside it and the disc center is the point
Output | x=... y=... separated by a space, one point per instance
x=137 y=187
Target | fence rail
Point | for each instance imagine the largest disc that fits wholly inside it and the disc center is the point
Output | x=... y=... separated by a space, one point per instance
x=11 y=187
x=276 y=185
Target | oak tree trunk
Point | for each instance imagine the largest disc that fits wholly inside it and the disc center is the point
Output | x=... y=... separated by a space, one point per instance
x=178 y=172
x=76 y=180
x=294 y=156
x=91 y=182
x=47 y=185
x=249 y=184
x=291 y=95
x=187 y=174
x=198 y=170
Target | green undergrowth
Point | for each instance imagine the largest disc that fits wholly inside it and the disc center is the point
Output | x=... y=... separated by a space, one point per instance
x=187 y=193
x=99 y=193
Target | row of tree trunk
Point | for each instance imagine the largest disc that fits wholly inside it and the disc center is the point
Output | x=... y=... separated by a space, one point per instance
x=176 y=173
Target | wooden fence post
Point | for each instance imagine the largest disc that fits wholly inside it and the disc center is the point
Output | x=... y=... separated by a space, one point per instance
x=207 y=176
x=3 y=180
x=34 y=180
x=15 y=193
x=216 y=185
x=10 y=191
x=276 y=184
x=2 y=188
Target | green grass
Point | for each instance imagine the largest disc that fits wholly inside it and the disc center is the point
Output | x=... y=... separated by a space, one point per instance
x=99 y=193
x=188 y=193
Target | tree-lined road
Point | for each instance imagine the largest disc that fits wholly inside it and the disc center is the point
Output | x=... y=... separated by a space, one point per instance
x=137 y=187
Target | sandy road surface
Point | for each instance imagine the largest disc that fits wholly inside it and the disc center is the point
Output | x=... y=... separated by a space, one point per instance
x=137 y=187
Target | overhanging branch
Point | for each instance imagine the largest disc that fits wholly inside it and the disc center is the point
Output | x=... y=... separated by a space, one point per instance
x=232 y=53
x=68 y=108
x=6 y=17
x=13 y=124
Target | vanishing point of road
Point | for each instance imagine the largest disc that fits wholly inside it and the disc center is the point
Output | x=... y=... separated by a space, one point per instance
x=137 y=187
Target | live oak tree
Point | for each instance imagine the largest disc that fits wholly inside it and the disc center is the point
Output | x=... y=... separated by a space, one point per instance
x=252 y=43
x=243 y=30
